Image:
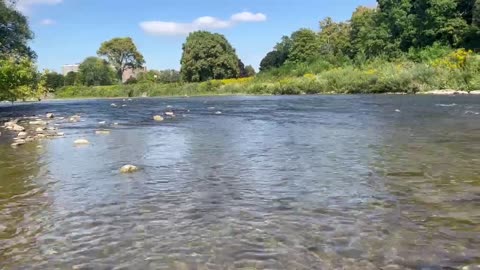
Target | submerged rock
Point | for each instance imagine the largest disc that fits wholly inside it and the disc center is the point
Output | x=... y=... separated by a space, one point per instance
x=38 y=123
x=129 y=169
x=74 y=118
x=22 y=135
x=102 y=132
x=158 y=118
x=18 y=142
x=81 y=142
x=16 y=127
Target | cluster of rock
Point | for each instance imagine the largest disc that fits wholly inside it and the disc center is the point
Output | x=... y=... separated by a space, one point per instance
x=29 y=129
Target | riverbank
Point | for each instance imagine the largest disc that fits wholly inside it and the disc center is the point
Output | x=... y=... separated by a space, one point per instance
x=374 y=77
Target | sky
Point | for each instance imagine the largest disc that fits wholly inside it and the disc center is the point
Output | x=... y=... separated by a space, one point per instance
x=68 y=31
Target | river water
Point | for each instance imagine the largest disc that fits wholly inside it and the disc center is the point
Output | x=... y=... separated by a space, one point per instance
x=305 y=182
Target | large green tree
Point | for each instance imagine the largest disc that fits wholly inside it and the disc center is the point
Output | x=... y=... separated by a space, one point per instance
x=122 y=54
x=95 y=71
x=334 y=37
x=208 y=56
x=19 y=79
x=305 y=46
x=14 y=32
x=53 y=80
x=70 y=78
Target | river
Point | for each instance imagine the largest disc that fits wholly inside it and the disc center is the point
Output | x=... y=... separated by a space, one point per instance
x=303 y=182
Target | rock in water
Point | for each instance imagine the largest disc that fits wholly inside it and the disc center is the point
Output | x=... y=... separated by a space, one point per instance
x=128 y=169
x=16 y=127
x=74 y=118
x=22 y=135
x=218 y=112
x=158 y=118
x=81 y=142
x=113 y=105
x=171 y=114
x=40 y=129
x=38 y=122
x=50 y=115
x=102 y=132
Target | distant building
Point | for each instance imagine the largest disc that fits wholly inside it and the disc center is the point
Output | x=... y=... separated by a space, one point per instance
x=132 y=73
x=69 y=68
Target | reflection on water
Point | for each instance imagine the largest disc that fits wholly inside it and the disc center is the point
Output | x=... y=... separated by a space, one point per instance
x=335 y=182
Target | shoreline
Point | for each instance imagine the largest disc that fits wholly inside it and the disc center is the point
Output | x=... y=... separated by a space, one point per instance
x=445 y=92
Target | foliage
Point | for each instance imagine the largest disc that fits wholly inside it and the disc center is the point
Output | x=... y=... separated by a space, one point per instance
x=70 y=78
x=159 y=76
x=208 y=56
x=19 y=79
x=122 y=54
x=14 y=33
x=250 y=71
x=334 y=38
x=95 y=71
x=273 y=59
x=305 y=46
x=53 y=80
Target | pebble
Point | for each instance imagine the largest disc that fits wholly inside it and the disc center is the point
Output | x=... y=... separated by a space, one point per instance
x=102 y=132
x=81 y=141
x=158 y=118
x=22 y=135
x=129 y=169
x=38 y=123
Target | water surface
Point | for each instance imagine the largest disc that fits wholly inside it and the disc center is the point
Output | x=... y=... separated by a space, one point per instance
x=306 y=182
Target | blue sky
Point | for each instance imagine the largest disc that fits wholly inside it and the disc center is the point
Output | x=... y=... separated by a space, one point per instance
x=68 y=31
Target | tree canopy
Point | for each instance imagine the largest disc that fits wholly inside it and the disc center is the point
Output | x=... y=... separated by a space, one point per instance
x=208 y=56
x=14 y=32
x=122 y=54
x=95 y=71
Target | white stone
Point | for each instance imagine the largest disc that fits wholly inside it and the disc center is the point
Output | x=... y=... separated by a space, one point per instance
x=218 y=112
x=81 y=142
x=40 y=129
x=50 y=115
x=102 y=132
x=22 y=135
x=169 y=114
x=38 y=123
x=158 y=118
x=16 y=127
x=129 y=169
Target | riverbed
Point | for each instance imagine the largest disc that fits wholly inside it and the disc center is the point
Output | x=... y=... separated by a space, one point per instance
x=302 y=182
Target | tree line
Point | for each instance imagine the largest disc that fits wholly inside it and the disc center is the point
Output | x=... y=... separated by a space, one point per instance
x=395 y=29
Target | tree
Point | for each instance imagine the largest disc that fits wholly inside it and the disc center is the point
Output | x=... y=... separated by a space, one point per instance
x=208 y=56
x=250 y=71
x=95 y=71
x=241 y=67
x=273 y=59
x=70 y=78
x=19 y=79
x=53 y=80
x=334 y=37
x=14 y=33
x=305 y=46
x=122 y=54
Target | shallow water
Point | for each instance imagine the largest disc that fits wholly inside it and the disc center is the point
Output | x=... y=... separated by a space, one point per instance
x=306 y=182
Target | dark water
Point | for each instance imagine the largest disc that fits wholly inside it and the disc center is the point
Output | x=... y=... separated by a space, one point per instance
x=324 y=182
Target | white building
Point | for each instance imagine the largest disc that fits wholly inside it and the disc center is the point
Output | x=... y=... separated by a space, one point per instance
x=68 y=68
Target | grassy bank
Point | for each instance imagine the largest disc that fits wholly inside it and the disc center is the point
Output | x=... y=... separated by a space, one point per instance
x=454 y=71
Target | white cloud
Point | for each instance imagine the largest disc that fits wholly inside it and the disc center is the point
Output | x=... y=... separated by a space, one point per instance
x=162 y=28
x=249 y=17
x=47 y=22
x=25 y=5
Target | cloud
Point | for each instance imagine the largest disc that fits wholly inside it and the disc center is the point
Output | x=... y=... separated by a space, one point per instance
x=25 y=5
x=162 y=28
x=47 y=22
x=248 y=17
